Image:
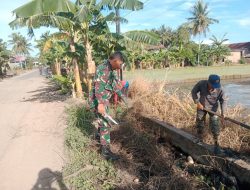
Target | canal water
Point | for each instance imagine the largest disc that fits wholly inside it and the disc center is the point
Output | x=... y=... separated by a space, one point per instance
x=237 y=91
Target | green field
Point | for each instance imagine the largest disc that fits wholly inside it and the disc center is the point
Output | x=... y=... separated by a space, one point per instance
x=187 y=73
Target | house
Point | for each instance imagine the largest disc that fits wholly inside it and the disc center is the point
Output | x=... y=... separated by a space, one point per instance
x=18 y=61
x=239 y=51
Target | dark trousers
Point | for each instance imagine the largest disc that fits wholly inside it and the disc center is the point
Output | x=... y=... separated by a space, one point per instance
x=213 y=124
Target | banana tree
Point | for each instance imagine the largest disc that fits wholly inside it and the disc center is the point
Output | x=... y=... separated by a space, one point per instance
x=56 y=13
x=75 y=20
x=4 y=56
x=219 y=48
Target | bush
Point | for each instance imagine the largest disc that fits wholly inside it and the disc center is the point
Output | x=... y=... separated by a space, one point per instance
x=63 y=82
x=228 y=62
x=242 y=61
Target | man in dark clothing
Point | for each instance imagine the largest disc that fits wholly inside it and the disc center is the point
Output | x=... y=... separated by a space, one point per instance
x=210 y=95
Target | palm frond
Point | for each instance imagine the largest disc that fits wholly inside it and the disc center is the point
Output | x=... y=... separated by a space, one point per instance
x=122 y=4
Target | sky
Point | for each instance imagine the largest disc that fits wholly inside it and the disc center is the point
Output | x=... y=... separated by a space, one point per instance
x=233 y=16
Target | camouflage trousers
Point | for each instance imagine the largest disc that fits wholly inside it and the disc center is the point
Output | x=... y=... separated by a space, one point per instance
x=103 y=130
x=213 y=124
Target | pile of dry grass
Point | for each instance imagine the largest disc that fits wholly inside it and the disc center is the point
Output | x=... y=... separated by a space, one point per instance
x=154 y=165
x=177 y=108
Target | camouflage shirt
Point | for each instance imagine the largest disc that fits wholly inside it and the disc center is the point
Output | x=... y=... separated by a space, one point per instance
x=105 y=83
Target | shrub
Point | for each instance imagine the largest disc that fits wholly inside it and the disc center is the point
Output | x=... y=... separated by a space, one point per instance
x=242 y=61
x=63 y=82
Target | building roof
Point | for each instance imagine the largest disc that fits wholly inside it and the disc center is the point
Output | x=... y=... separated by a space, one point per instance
x=17 y=59
x=239 y=46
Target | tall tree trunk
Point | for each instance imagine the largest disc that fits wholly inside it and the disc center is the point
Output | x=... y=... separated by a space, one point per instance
x=117 y=22
x=183 y=63
x=133 y=64
x=91 y=64
x=53 y=68
x=78 y=85
x=79 y=93
x=198 y=58
x=58 y=67
x=1 y=72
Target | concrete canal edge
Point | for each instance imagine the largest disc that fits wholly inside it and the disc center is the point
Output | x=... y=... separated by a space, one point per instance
x=201 y=152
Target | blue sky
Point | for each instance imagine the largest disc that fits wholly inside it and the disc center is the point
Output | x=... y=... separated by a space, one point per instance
x=233 y=16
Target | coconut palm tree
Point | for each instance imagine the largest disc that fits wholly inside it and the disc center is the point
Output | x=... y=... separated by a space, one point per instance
x=218 y=42
x=166 y=34
x=200 y=21
x=122 y=4
x=20 y=45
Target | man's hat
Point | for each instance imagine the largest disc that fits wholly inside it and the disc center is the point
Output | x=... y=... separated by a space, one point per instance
x=214 y=80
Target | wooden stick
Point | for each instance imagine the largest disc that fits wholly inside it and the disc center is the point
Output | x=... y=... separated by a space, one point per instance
x=228 y=119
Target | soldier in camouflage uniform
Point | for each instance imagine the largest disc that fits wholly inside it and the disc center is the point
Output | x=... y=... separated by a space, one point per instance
x=210 y=93
x=105 y=84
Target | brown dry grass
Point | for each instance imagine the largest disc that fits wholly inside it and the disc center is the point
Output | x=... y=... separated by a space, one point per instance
x=177 y=108
x=154 y=165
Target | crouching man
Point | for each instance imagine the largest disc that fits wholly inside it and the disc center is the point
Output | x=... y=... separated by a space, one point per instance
x=210 y=95
x=105 y=84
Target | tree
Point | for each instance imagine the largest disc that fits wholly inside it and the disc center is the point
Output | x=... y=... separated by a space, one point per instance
x=77 y=21
x=4 y=57
x=60 y=14
x=166 y=34
x=220 y=50
x=121 y=4
x=20 y=45
x=200 y=21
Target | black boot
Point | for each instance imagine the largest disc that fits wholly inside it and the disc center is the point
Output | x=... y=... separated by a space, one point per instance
x=97 y=137
x=200 y=135
x=108 y=155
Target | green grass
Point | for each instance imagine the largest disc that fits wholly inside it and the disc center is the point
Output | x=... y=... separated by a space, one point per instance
x=180 y=74
x=86 y=169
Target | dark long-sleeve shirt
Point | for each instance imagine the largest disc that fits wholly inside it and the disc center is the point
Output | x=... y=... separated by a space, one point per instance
x=209 y=99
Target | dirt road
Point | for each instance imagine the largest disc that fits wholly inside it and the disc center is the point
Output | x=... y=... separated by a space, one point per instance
x=31 y=134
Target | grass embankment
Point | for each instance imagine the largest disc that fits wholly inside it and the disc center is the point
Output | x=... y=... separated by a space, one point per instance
x=86 y=169
x=146 y=162
x=188 y=73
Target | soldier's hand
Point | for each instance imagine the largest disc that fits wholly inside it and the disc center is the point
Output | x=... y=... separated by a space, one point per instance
x=101 y=109
x=200 y=106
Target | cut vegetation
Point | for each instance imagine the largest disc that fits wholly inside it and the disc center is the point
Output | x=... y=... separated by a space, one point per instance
x=147 y=162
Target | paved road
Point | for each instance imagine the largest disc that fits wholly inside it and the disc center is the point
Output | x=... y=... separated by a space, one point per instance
x=31 y=134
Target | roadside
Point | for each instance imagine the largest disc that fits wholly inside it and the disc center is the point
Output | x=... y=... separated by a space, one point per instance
x=32 y=133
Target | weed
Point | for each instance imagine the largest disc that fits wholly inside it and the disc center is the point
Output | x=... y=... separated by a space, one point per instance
x=86 y=169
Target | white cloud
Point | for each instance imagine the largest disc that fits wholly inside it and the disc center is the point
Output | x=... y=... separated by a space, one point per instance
x=6 y=16
x=207 y=41
x=244 y=22
x=187 y=5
